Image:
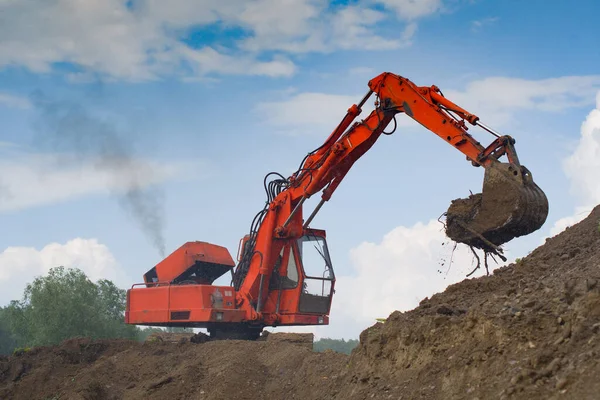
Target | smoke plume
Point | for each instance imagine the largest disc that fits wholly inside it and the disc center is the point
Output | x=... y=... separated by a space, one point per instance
x=69 y=129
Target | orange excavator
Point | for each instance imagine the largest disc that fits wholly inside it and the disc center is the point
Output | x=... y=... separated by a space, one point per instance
x=284 y=274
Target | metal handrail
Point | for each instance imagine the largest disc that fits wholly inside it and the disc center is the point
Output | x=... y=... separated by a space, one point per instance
x=160 y=283
x=323 y=285
x=318 y=278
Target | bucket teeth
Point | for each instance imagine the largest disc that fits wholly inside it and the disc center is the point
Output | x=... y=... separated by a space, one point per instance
x=510 y=205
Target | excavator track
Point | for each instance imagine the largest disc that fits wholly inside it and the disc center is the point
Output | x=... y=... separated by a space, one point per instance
x=511 y=205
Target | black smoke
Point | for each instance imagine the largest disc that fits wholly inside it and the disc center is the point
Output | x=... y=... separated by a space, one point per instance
x=72 y=131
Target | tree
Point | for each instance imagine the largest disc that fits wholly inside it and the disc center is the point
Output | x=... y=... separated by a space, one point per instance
x=339 y=345
x=145 y=332
x=7 y=340
x=65 y=304
x=176 y=329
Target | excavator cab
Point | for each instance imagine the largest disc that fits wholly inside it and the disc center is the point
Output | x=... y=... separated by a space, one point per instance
x=317 y=275
x=303 y=280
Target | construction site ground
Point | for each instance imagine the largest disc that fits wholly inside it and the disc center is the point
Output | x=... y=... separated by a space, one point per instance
x=530 y=330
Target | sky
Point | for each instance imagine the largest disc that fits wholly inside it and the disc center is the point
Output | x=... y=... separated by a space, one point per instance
x=128 y=128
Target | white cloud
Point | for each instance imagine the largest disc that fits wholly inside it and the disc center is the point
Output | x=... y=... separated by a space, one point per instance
x=307 y=112
x=208 y=60
x=108 y=38
x=299 y=26
x=412 y=9
x=410 y=261
x=362 y=71
x=352 y=29
x=10 y=100
x=141 y=40
x=582 y=168
x=496 y=99
x=478 y=24
x=30 y=180
x=581 y=212
x=315 y=113
x=20 y=265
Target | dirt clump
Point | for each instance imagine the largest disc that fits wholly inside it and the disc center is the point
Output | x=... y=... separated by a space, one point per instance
x=173 y=337
x=510 y=205
x=300 y=339
x=531 y=330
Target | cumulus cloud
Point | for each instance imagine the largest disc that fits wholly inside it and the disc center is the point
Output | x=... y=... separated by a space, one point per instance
x=119 y=41
x=20 y=265
x=412 y=9
x=300 y=26
x=582 y=167
x=315 y=113
x=32 y=179
x=478 y=24
x=142 y=39
x=409 y=264
x=13 y=101
x=362 y=71
x=306 y=112
x=498 y=98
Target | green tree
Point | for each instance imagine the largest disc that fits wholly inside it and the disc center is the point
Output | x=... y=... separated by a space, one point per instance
x=147 y=331
x=339 y=345
x=65 y=304
x=176 y=329
x=7 y=340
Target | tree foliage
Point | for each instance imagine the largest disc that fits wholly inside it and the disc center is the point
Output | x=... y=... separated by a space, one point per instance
x=7 y=340
x=64 y=304
x=147 y=331
x=339 y=345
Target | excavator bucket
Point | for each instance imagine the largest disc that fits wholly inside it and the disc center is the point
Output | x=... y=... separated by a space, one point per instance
x=510 y=205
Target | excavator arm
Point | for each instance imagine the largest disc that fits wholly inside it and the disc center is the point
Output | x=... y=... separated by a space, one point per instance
x=328 y=165
x=510 y=204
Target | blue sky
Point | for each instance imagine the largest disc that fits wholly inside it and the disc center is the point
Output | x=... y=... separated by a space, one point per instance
x=206 y=98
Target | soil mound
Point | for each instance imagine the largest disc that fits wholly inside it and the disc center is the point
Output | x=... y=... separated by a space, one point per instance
x=529 y=331
x=228 y=369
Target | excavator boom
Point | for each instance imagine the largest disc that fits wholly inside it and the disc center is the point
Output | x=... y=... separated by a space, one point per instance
x=273 y=283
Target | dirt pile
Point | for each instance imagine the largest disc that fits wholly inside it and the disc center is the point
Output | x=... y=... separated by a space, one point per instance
x=529 y=331
x=86 y=369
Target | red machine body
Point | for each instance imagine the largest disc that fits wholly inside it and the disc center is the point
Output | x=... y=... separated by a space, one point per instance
x=179 y=291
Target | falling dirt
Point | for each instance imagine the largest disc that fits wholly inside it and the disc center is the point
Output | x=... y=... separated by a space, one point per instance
x=531 y=330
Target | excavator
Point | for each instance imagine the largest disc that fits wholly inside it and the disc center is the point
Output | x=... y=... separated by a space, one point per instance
x=284 y=274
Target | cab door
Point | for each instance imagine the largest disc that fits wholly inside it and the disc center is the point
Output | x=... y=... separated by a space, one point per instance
x=317 y=277
x=284 y=285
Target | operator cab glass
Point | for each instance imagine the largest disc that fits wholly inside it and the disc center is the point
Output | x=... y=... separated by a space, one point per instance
x=317 y=287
